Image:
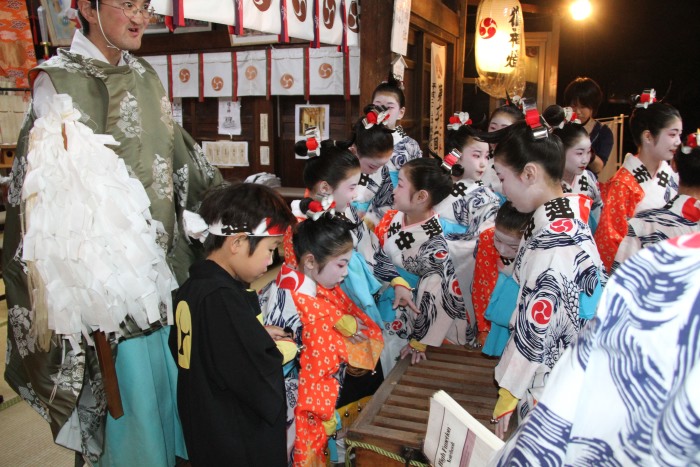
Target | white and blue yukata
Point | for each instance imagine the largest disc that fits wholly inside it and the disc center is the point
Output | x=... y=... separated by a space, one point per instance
x=587 y=184
x=468 y=210
x=560 y=278
x=421 y=254
x=626 y=392
x=680 y=216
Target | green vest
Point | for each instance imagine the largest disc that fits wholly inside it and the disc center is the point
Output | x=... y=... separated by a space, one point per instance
x=129 y=103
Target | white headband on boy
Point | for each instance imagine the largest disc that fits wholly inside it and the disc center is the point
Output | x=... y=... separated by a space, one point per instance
x=197 y=228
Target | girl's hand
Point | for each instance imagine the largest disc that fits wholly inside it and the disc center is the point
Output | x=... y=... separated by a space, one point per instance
x=502 y=425
x=276 y=332
x=416 y=355
x=404 y=297
x=359 y=335
x=481 y=337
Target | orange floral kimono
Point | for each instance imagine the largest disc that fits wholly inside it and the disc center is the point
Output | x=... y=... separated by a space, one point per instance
x=322 y=359
x=485 y=277
x=632 y=189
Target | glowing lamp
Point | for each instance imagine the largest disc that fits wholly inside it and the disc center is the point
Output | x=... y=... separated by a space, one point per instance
x=580 y=9
x=500 y=47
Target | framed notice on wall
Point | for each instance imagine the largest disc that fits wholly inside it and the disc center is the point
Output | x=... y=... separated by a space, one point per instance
x=399 y=28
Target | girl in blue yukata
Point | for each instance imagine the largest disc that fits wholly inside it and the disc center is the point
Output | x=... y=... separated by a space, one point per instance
x=558 y=270
x=577 y=149
x=412 y=237
x=390 y=95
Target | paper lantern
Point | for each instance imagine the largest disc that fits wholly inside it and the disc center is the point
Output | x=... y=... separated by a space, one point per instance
x=500 y=47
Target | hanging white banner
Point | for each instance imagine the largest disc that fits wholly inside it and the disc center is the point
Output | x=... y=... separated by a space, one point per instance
x=437 y=98
x=185 y=75
x=325 y=71
x=355 y=71
x=287 y=72
x=217 y=74
x=252 y=73
x=212 y=11
x=299 y=15
x=160 y=64
x=352 y=22
x=163 y=7
x=261 y=15
x=330 y=22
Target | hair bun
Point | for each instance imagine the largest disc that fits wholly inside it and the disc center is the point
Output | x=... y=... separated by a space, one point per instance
x=554 y=115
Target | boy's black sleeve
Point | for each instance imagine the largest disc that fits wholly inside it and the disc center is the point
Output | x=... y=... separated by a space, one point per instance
x=240 y=355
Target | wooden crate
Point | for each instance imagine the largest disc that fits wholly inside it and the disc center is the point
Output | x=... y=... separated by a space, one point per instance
x=396 y=419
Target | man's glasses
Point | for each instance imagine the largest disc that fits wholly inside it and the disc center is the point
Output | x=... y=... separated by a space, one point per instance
x=130 y=10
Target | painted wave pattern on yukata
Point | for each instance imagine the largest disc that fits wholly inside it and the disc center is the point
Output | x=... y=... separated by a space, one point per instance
x=661 y=408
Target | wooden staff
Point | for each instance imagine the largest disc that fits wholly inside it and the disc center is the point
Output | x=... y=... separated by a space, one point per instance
x=109 y=375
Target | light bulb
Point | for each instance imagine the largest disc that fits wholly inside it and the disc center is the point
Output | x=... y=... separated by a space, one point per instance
x=580 y=9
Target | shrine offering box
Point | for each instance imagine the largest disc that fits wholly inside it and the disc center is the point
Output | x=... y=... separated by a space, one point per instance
x=390 y=430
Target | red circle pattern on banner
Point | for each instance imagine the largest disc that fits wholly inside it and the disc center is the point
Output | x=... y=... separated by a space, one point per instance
x=287 y=81
x=217 y=83
x=325 y=70
x=251 y=72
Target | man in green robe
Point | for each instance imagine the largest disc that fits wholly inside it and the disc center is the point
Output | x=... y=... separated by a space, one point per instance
x=121 y=95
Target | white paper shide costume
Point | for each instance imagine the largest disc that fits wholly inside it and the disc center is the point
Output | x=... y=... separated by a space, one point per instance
x=90 y=242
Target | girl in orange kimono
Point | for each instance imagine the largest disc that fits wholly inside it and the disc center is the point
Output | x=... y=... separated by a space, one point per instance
x=334 y=331
x=645 y=180
x=492 y=289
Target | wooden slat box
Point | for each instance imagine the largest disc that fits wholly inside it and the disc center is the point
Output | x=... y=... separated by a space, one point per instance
x=396 y=418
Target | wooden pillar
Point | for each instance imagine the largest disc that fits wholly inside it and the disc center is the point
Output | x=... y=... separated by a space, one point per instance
x=375 y=46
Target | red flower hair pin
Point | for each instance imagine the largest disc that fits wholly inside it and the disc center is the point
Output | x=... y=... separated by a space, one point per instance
x=451 y=159
x=376 y=116
x=459 y=119
x=647 y=97
x=569 y=117
x=313 y=141
x=532 y=117
x=317 y=208
x=691 y=142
